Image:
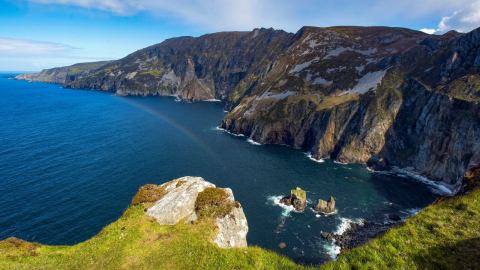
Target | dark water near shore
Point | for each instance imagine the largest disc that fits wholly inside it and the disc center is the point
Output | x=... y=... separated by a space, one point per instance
x=71 y=160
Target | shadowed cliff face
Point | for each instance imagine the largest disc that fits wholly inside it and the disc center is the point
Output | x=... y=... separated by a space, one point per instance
x=390 y=97
x=207 y=67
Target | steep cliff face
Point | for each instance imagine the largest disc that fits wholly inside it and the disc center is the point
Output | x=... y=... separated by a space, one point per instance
x=207 y=67
x=390 y=97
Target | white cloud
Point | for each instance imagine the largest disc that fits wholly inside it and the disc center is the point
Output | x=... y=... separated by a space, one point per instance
x=23 y=54
x=462 y=20
x=428 y=30
x=116 y=6
x=214 y=15
x=24 y=47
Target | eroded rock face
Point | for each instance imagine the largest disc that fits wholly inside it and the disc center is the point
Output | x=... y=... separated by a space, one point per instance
x=403 y=99
x=233 y=227
x=178 y=205
x=326 y=207
x=297 y=198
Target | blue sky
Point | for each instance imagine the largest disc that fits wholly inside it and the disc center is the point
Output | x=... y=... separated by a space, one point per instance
x=37 y=34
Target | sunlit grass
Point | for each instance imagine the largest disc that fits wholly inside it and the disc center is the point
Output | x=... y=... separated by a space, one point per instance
x=445 y=235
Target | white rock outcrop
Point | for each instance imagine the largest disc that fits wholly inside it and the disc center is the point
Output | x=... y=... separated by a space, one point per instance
x=233 y=227
x=178 y=205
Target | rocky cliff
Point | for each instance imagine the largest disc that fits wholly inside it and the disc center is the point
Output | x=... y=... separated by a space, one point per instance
x=190 y=199
x=207 y=67
x=393 y=98
x=390 y=97
x=61 y=74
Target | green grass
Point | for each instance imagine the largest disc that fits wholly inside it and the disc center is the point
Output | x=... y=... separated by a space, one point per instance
x=213 y=203
x=299 y=194
x=445 y=235
x=136 y=241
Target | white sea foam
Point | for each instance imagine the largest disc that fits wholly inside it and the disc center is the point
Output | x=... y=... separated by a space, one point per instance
x=412 y=211
x=318 y=215
x=435 y=186
x=345 y=224
x=309 y=155
x=286 y=209
x=212 y=100
x=226 y=131
x=338 y=162
x=253 y=142
x=331 y=248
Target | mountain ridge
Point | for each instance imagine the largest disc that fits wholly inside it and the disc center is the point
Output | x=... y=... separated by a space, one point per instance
x=388 y=97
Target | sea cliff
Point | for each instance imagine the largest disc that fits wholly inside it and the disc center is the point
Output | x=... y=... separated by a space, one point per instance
x=392 y=98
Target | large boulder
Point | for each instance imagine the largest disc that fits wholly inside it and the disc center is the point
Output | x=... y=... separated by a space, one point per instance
x=189 y=199
x=297 y=198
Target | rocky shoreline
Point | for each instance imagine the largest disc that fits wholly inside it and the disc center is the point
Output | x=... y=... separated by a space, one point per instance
x=359 y=233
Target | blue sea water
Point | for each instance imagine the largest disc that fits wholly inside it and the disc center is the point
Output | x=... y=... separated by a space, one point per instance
x=71 y=160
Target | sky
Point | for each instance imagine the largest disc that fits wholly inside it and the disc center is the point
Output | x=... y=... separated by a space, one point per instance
x=38 y=34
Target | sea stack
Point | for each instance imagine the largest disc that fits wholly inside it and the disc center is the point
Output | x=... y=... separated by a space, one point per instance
x=326 y=207
x=297 y=198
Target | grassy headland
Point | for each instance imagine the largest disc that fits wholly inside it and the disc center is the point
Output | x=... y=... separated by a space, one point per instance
x=444 y=235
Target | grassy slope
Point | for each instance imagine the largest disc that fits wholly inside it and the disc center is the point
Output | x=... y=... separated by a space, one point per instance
x=136 y=241
x=445 y=235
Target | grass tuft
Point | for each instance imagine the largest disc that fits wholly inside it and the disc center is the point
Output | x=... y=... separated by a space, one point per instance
x=213 y=203
x=148 y=193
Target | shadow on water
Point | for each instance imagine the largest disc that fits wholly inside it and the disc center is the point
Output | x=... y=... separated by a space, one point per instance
x=463 y=254
x=398 y=193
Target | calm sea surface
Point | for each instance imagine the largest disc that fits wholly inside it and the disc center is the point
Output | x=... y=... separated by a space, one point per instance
x=71 y=160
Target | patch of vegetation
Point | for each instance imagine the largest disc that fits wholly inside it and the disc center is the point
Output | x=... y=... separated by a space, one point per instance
x=83 y=67
x=472 y=177
x=13 y=247
x=299 y=194
x=445 y=235
x=136 y=241
x=180 y=183
x=213 y=203
x=465 y=88
x=152 y=72
x=149 y=193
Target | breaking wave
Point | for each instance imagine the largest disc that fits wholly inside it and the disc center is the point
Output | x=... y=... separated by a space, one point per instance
x=331 y=248
x=286 y=209
x=310 y=156
x=249 y=140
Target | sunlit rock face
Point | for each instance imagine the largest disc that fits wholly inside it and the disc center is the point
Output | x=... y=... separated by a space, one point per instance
x=178 y=205
x=389 y=97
